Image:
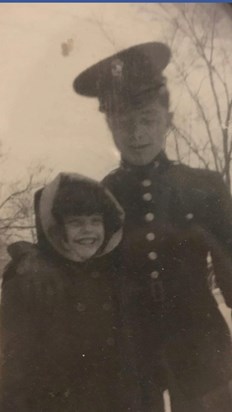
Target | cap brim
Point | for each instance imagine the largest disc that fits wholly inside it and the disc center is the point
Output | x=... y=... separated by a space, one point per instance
x=86 y=83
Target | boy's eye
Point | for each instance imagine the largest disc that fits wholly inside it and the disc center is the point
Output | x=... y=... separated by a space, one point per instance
x=146 y=121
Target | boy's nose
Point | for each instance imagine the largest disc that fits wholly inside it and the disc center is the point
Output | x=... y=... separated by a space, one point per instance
x=136 y=135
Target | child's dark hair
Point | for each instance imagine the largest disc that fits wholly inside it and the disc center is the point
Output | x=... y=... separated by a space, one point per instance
x=85 y=198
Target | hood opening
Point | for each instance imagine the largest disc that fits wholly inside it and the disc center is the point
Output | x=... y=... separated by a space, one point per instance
x=74 y=194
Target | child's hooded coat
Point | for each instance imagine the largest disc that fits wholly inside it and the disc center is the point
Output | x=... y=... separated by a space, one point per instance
x=60 y=323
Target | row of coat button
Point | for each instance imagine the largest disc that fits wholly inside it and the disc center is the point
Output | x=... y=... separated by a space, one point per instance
x=106 y=306
x=149 y=217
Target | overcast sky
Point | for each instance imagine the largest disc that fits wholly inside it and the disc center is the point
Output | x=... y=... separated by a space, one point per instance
x=42 y=120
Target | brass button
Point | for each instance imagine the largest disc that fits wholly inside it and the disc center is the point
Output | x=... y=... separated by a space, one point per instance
x=67 y=393
x=156 y=164
x=189 y=216
x=209 y=258
x=147 y=196
x=149 y=217
x=110 y=341
x=152 y=255
x=150 y=236
x=154 y=274
x=146 y=183
x=107 y=306
x=81 y=307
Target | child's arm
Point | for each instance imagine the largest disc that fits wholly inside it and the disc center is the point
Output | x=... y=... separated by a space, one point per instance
x=17 y=342
x=26 y=319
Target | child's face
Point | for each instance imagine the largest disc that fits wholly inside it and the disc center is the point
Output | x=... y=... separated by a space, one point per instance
x=84 y=235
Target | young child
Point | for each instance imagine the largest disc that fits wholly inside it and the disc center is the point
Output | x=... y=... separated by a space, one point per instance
x=60 y=322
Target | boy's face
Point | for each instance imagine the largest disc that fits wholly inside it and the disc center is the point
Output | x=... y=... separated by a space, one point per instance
x=140 y=134
x=84 y=235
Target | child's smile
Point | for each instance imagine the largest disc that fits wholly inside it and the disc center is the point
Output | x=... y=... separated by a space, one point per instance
x=84 y=235
x=86 y=240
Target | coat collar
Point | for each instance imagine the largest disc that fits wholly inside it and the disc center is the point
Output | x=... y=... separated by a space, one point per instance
x=159 y=164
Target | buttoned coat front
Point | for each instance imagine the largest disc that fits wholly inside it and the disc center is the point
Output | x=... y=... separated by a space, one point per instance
x=176 y=218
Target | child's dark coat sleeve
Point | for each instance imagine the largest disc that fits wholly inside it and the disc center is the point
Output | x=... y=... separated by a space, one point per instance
x=17 y=341
x=24 y=322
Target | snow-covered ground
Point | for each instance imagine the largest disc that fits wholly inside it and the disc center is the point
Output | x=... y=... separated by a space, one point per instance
x=226 y=312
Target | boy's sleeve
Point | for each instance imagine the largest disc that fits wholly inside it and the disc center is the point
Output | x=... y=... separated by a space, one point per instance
x=220 y=217
x=222 y=214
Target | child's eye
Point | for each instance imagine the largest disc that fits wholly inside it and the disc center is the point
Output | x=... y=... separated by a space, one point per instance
x=73 y=222
x=97 y=220
x=76 y=223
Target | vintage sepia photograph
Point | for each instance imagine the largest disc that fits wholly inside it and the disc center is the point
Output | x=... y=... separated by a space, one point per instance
x=116 y=207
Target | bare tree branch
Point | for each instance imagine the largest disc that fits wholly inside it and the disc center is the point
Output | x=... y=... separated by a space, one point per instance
x=17 y=211
x=193 y=148
x=201 y=109
x=17 y=193
x=17 y=227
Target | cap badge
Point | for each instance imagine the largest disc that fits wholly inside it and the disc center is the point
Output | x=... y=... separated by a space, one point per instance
x=117 y=68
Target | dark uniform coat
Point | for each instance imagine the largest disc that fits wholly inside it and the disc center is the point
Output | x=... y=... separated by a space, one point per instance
x=175 y=217
x=59 y=335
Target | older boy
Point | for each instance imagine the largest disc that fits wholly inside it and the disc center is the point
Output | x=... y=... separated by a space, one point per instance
x=175 y=216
